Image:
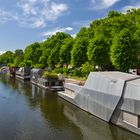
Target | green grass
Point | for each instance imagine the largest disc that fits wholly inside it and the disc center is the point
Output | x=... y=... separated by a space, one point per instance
x=78 y=78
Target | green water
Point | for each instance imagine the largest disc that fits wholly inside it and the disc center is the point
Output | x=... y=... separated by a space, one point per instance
x=30 y=113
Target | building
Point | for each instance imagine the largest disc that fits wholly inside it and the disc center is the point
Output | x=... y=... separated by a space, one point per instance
x=111 y=96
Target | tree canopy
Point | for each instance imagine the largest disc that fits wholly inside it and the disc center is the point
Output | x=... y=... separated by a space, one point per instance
x=110 y=43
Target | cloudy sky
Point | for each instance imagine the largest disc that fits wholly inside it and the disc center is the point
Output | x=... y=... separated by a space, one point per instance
x=23 y=22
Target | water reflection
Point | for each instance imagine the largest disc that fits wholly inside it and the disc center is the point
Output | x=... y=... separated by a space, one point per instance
x=30 y=113
x=33 y=114
x=94 y=128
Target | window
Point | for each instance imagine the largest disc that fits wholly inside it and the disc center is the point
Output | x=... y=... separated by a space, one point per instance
x=131 y=119
x=138 y=121
x=53 y=83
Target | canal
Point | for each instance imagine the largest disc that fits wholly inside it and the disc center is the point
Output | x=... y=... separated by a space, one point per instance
x=30 y=113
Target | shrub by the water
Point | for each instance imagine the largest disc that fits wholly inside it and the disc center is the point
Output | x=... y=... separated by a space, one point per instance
x=50 y=75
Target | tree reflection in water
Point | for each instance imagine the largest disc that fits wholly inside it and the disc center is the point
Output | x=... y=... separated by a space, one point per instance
x=32 y=113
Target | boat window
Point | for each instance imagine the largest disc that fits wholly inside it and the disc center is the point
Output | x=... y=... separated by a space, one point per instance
x=138 y=121
x=61 y=83
x=53 y=83
x=46 y=84
x=131 y=119
x=57 y=83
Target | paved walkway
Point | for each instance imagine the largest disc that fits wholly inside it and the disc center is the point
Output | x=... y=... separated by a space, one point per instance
x=78 y=82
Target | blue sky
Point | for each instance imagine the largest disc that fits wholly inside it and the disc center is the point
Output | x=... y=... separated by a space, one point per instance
x=23 y=22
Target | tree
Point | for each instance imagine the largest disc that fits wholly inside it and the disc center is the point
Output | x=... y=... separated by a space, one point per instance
x=98 y=52
x=32 y=54
x=46 y=47
x=19 y=54
x=79 y=50
x=6 y=58
x=57 y=41
x=113 y=14
x=65 y=51
x=125 y=51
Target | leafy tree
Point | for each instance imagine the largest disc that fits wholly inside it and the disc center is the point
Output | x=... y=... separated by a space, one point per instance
x=98 y=52
x=6 y=58
x=46 y=47
x=19 y=54
x=79 y=50
x=32 y=54
x=57 y=41
x=65 y=51
x=125 y=50
x=113 y=14
x=111 y=40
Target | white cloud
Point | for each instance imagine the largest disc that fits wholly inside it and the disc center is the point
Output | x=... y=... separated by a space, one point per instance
x=1 y=52
x=38 y=23
x=55 y=30
x=35 y=13
x=69 y=28
x=135 y=6
x=6 y=16
x=102 y=4
x=74 y=35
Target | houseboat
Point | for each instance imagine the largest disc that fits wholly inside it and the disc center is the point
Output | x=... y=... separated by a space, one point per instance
x=4 y=70
x=12 y=71
x=23 y=73
x=49 y=83
x=134 y=71
x=111 y=96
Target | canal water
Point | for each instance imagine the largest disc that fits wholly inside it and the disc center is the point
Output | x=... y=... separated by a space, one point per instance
x=30 y=113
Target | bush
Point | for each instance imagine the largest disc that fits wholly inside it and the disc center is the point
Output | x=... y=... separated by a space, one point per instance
x=38 y=66
x=86 y=69
x=76 y=72
x=58 y=70
x=10 y=65
x=50 y=75
x=65 y=71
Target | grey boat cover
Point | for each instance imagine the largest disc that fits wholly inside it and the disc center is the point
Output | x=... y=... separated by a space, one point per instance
x=102 y=92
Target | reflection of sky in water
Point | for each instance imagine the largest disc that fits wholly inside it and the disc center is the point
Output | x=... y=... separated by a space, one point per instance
x=29 y=113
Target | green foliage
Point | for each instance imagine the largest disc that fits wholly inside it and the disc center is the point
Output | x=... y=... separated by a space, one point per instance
x=32 y=54
x=76 y=72
x=50 y=75
x=109 y=43
x=53 y=47
x=98 y=52
x=113 y=14
x=65 y=51
x=86 y=69
x=38 y=66
x=26 y=63
x=63 y=70
x=125 y=50
x=78 y=53
x=58 y=70
x=23 y=64
x=18 y=57
x=47 y=47
x=7 y=57
x=10 y=65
